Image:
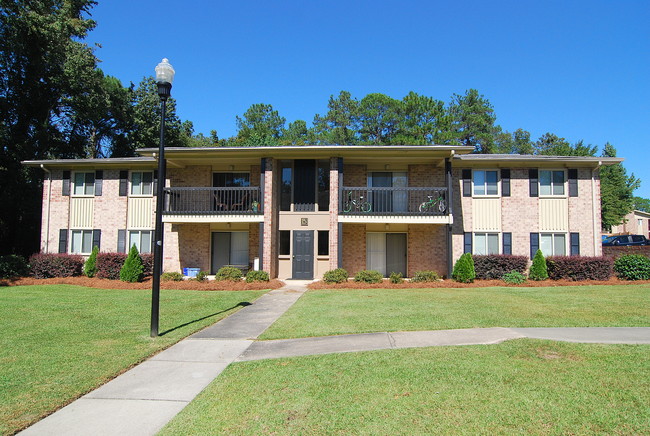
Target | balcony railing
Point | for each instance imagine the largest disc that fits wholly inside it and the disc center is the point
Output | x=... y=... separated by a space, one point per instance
x=394 y=201
x=215 y=201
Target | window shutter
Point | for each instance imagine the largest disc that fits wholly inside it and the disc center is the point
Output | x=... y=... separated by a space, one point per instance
x=533 y=182
x=65 y=189
x=573 y=182
x=99 y=179
x=124 y=184
x=63 y=240
x=534 y=244
x=154 y=188
x=121 y=241
x=467 y=183
x=507 y=243
x=575 y=244
x=97 y=238
x=468 y=243
x=505 y=182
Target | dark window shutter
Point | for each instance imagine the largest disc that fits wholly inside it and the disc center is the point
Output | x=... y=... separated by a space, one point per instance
x=575 y=244
x=97 y=238
x=467 y=183
x=468 y=243
x=573 y=182
x=154 y=189
x=533 y=182
x=65 y=189
x=505 y=182
x=99 y=179
x=121 y=241
x=507 y=243
x=63 y=240
x=124 y=183
x=534 y=244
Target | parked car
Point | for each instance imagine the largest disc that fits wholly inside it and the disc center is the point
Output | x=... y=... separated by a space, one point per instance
x=626 y=240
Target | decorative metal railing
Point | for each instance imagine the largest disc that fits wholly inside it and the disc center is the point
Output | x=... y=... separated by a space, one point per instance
x=215 y=201
x=393 y=201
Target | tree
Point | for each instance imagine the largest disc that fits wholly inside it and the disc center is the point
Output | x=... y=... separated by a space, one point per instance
x=473 y=121
x=517 y=142
x=340 y=124
x=641 y=203
x=378 y=118
x=260 y=125
x=616 y=189
x=298 y=134
x=551 y=145
x=422 y=121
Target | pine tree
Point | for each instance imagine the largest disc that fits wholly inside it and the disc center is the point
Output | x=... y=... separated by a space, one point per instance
x=616 y=191
x=132 y=270
x=538 y=270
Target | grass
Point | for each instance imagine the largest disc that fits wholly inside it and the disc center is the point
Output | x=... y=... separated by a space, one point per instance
x=59 y=342
x=517 y=387
x=333 y=312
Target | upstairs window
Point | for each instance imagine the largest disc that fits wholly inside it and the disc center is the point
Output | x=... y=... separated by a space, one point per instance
x=84 y=184
x=551 y=182
x=141 y=183
x=486 y=182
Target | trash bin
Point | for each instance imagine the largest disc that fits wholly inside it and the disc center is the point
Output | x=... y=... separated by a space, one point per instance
x=191 y=272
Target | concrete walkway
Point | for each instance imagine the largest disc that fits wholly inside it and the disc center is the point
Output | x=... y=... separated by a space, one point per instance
x=142 y=400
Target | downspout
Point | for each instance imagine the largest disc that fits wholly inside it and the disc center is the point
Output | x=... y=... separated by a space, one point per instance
x=593 y=208
x=49 y=196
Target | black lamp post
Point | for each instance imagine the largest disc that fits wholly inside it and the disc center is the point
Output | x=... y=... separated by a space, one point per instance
x=164 y=78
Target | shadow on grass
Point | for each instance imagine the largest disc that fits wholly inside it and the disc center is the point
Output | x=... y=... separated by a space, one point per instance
x=240 y=304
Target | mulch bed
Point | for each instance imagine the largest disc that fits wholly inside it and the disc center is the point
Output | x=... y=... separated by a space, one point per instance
x=210 y=285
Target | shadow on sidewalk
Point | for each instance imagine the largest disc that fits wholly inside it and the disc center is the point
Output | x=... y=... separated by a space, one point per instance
x=240 y=304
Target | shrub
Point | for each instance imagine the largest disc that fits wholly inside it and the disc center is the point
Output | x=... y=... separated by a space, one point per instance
x=396 y=278
x=109 y=265
x=202 y=276
x=538 y=270
x=171 y=277
x=13 y=265
x=633 y=267
x=579 y=268
x=45 y=266
x=132 y=269
x=90 y=267
x=514 y=278
x=464 y=269
x=147 y=264
x=368 y=276
x=229 y=273
x=338 y=275
x=425 y=276
x=494 y=266
x=257 y=276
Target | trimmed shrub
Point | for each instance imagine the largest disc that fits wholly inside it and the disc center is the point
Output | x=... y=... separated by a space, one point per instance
x=90 y=267
x=494 y=266
x=338 y=275
x=109 y=265
x=132 y=269
x=171 y=277
x=257 y=276
x=202 y=276
x=147 y=264
x=368 y=276
x=229 y=273
x=12 y=266
x=45 y=266
x=396 y=278
x=425 y=276
x=579 y=268
x=514 y=278
x=538 y=270
x=464 y=269
x=633 y=267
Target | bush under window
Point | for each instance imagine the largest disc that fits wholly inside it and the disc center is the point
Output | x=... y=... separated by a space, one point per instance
x=338 y=275
x=494 y=266
x=45 y=266
x=368 y=276
x=579 y=268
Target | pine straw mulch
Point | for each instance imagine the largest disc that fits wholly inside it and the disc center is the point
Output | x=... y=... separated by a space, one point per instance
x=192 y=285
x=386 y=284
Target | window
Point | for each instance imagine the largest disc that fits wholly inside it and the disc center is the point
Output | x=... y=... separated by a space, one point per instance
x=141 y=239
x=305 y=184
x=639 y=225
x=386 y=252
x=285 y=242
x=551 y=182
x=323 y=243
x=285 y=186
x=229 y=248
x=84 y=183
x=141 y=183
x=486 y=243
x=231 y=180
x=552 y=244
x=393 y=200
x=486 y=182
x=82 y=242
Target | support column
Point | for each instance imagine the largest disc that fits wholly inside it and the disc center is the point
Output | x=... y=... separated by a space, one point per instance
x=336 y=174
x=269 y=233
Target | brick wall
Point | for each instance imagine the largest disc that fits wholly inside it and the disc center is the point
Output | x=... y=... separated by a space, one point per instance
x=520 y=212
x=583 y=216
x=334 y=214
x=270 y=263
x=110 y=211
x=59 y=207
x=186 y=246
x=190 y=176
x=426 y=175
x=253 y=242
x=427 y=248
x=354 y=175
x=354 y=247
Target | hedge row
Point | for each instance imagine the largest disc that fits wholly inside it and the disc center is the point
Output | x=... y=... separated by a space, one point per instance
x=493 y=267
x=579 y=268
x=45 y=266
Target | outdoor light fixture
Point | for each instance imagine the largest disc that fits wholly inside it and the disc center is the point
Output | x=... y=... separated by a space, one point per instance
x=164 y=78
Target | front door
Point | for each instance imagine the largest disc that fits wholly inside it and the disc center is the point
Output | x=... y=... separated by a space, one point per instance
x=303 y=254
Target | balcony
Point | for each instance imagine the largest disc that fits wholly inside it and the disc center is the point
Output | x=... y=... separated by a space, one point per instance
x=207 y=204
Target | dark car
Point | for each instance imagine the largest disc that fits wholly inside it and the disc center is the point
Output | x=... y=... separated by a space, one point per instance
x=626 y=240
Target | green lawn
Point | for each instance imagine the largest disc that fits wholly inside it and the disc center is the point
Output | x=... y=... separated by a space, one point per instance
x=59 y=342
x=517 y=387
x=333 y=312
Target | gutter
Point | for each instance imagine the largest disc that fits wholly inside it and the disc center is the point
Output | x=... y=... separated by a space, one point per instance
x=49 y=198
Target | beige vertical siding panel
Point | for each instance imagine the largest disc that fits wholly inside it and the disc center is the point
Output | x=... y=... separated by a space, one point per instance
x=486 y=214
x=140 y=212
x=554 y=214
x=81 y=213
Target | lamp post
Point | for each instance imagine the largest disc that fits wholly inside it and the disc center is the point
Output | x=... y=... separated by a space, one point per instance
x=164 y=78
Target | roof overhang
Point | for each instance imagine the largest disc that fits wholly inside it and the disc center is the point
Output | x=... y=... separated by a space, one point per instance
x=533 y=161
x=117 y=162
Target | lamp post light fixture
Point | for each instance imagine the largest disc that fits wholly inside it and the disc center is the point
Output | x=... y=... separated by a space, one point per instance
x=164 y=78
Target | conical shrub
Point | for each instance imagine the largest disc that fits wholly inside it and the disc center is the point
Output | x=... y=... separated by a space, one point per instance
x=538 y=270
x=90 y=267
x=132 y=270
x=464 y=269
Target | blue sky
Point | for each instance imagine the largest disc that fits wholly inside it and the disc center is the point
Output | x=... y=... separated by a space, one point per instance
x=579 y=69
